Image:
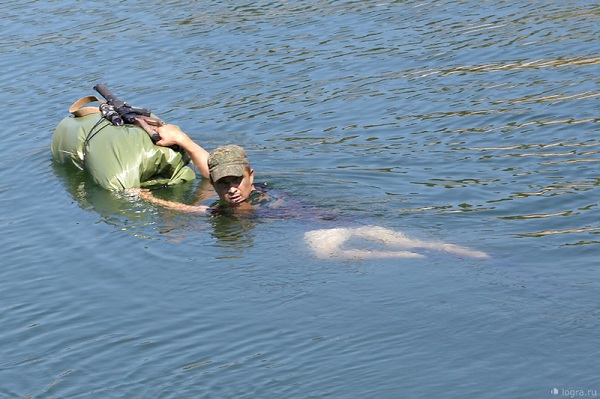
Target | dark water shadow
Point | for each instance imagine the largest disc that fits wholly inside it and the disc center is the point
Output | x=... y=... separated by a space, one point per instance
x=127 y=212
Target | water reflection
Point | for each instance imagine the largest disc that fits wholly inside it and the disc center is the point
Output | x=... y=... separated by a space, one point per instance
x=126 y=212
x=114 y=208
x=234 y=230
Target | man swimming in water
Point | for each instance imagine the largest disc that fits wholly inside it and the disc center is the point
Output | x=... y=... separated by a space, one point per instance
x=232 y=178
x=227 y=168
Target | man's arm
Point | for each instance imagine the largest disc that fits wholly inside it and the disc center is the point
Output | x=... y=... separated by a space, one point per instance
x=148 y=196
x=173 y=135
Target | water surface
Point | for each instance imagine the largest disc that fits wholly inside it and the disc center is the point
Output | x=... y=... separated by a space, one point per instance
x=474 y=123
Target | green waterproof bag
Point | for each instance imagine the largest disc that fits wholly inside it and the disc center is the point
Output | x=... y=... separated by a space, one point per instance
x=117 y=157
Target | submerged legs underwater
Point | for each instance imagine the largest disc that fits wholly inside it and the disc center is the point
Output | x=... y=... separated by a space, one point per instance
x=329 y=243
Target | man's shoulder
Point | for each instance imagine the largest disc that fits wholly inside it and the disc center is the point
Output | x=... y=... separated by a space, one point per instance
x=264 y=195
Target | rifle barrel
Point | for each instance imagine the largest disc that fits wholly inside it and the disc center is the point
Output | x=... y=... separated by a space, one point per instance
x=107 y=94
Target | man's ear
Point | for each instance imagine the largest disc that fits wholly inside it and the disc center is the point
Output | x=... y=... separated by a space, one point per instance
x=251 y=175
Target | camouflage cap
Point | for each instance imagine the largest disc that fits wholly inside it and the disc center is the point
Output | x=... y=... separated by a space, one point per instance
x=229 y=160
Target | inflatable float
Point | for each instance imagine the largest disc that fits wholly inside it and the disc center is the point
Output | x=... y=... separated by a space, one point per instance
x=116 y=157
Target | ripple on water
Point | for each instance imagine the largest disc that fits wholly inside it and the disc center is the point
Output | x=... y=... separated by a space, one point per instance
x=471 y=125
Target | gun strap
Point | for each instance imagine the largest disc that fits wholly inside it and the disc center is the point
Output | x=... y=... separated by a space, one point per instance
x=78 y=108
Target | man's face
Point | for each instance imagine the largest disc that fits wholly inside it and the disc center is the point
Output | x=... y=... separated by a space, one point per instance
x=235 y=189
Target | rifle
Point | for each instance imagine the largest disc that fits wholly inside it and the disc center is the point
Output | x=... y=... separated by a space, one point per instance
x=118 y=112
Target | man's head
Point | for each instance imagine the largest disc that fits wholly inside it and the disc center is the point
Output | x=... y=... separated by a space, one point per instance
x=230 y=173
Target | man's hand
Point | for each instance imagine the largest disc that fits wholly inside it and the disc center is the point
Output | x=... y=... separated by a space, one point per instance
x=171 y=135
x=150 y=125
